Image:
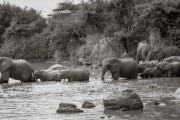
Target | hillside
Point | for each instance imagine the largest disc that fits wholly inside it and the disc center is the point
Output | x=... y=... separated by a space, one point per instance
x=91 y=30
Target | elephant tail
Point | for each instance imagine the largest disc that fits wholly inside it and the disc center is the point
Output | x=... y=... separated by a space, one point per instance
x=91 y=74
x=32 y=76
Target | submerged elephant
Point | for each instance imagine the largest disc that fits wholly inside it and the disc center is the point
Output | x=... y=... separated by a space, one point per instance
x=170 y=69
x=161 y=53
x=172 y=59
x=149 y=64
x=125 y=68
x=17 y=69
x=75 y=75
x=152 y=72
x=45 y=75
x=142 y=51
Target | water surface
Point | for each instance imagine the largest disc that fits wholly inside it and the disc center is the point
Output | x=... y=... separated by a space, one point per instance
x=39 y=101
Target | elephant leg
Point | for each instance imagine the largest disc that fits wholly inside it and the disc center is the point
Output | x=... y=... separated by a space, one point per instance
x=70 y=79
x=5 y=76
x=169 y=73
x=25 y=78
x=115 y=75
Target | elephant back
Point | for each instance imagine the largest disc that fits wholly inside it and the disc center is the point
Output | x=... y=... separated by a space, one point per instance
x=128 y=68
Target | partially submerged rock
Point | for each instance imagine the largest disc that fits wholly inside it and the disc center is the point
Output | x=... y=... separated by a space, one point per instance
x=68 y=108
x=177 y=93
x=67 y=105
x=88 y=104
x=125 y=100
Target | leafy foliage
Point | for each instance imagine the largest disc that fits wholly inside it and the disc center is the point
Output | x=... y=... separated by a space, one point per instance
x=73 y=28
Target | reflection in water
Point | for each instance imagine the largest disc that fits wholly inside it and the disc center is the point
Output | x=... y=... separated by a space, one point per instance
x=40 y=100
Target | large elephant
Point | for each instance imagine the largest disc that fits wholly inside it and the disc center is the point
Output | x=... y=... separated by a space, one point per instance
x=17 y=69
x=170 y=69
x=152 y=72
x=45 y=75
x=172 y=59
x=142 y=51
x=75 y=75
x=125 y=68
x=161 y=53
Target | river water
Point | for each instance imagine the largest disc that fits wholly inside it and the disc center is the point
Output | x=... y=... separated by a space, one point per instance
x=40 y=100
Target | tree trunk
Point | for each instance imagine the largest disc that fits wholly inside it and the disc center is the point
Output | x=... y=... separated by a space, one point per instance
x=155 y=38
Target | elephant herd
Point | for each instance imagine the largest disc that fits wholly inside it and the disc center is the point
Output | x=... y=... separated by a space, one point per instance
x=22 y=70
x=159 y=62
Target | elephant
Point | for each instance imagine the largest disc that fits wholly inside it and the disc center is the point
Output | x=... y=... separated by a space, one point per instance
x=17 y=69
x=161 y=53
x=144 y=65
x=172 y=59
x=149 y=64
x=125 y=68
x=45 y=75
x=152 y=72
x=142 y=51
x=75 y=75
x=170 y=69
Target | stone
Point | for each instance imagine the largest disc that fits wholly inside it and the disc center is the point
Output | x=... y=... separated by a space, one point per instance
x=102 y=117
x=126 y=99
x=67 y=105
x=88 y=104
x=177 y=93
x=156 y=103
x=68 y=108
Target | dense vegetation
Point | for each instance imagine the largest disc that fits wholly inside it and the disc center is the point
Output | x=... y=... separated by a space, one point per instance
x=91 y=30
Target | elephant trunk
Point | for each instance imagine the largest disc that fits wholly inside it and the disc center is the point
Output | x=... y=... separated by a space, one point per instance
x=147 y=58
x=104 y=70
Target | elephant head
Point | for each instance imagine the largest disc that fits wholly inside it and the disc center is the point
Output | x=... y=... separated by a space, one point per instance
x=164 y=66
x=147 y=72
x=5 y=63
x=64 y=75
x=156 y=54
x=110 y=64
x=37 y=74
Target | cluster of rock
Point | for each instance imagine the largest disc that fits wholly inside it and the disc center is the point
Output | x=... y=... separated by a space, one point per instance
x=125 y=100
x=72 y=108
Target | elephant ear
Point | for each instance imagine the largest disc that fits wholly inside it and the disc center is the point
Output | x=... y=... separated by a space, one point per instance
x=167 y=66
x=158 y=54
x=114 y=66
x=5 y=63
x=66 y=74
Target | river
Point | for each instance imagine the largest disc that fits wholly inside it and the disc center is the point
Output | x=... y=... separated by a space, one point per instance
x=40 y=100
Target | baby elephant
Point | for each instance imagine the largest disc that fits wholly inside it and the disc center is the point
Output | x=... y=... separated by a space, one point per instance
x=46 y=75
x=75 y=75
x=170 y=69
x=152 y=72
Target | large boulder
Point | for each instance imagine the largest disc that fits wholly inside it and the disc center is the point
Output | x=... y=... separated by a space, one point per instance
x=68 y=108
x=126 y=99
x=177 y=93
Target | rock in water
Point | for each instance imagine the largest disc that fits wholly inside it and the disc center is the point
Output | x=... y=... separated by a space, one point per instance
x=68 y=108
x=67 y=105
x=126 y=99
x=88 y=104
